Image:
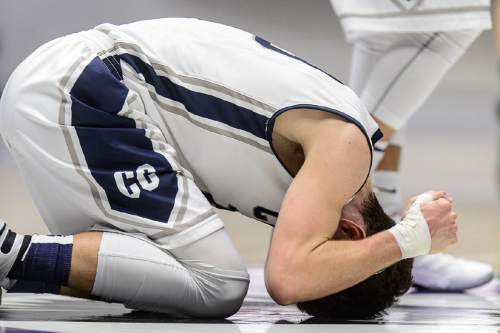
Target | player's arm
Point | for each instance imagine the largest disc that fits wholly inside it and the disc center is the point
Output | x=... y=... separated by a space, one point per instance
x=303 y=263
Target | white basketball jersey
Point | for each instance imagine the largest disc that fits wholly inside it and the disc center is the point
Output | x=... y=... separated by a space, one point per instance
x=413 y=15
x=215 y=92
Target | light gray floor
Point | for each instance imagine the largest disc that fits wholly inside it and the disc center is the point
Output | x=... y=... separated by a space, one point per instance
x=477 y=311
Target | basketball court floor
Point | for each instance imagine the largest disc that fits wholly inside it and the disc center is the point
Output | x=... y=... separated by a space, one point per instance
x=475 y=311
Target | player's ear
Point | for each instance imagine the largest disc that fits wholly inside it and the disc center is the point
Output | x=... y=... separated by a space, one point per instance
x=349 y=230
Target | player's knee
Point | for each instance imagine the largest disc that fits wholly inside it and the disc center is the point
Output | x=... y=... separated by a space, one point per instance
x=221 y=295
x=223 y=301
x=233 y=296
x=214 y=297
x=143 y=277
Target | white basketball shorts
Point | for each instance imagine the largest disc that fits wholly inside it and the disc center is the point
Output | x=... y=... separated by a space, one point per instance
x=90 y=153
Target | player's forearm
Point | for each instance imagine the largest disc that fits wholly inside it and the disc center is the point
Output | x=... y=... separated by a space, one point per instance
x=331 y=267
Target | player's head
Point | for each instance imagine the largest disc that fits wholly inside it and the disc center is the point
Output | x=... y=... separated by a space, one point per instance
x=371 y=296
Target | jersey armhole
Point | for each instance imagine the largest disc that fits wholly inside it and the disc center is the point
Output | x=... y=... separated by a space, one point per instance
x=370 y=140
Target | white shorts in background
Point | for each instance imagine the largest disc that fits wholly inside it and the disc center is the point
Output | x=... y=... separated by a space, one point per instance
x=412 y=15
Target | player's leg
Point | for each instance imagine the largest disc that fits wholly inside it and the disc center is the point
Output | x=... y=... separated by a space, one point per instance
x=204 y=279
x=394 y=73
x=194 y=280
x=44 y=264
x=82 y=138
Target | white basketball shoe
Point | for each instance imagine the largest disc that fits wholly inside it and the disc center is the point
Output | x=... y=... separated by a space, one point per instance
x=443 y=272
x=10 y=246
x=438 y=272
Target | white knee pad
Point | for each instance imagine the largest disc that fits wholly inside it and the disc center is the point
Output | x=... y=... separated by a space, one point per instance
x=143 y=276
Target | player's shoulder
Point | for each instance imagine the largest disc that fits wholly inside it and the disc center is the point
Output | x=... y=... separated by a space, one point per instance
x=305 y=126
x=328 y=136
x=335 y=149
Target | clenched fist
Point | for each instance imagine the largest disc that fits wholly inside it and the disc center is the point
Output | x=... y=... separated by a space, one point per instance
x=428 y=227
x=441 y=220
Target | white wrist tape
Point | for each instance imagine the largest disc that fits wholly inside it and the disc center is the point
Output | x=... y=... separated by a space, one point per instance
x=412 y=233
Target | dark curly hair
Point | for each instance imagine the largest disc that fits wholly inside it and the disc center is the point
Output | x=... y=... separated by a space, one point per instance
x=369 y=298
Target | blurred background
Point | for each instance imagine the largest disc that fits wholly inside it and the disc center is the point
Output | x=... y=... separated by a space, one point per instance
x=452 y=142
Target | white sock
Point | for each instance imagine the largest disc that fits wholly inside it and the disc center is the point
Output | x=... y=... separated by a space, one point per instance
x=387 y=189
x=387 y=184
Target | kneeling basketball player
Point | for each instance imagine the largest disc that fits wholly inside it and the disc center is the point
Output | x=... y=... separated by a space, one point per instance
x=128 y=135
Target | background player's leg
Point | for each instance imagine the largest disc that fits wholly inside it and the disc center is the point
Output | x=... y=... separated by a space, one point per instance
x=394 y=74
x=386 y=178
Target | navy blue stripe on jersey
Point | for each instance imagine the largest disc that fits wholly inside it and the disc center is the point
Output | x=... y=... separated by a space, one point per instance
x=200 y=104
x=269 y=45
x=270 y=127
x=111 y=143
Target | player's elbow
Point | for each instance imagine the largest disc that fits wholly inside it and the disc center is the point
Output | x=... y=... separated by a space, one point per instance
x=281 y=293
x=282 y=287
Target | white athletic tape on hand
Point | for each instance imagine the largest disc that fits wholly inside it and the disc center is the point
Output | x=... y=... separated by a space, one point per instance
x=412 y=233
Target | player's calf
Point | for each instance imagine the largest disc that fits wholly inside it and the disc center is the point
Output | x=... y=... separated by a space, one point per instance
x=37 y=259
x=192 y=281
